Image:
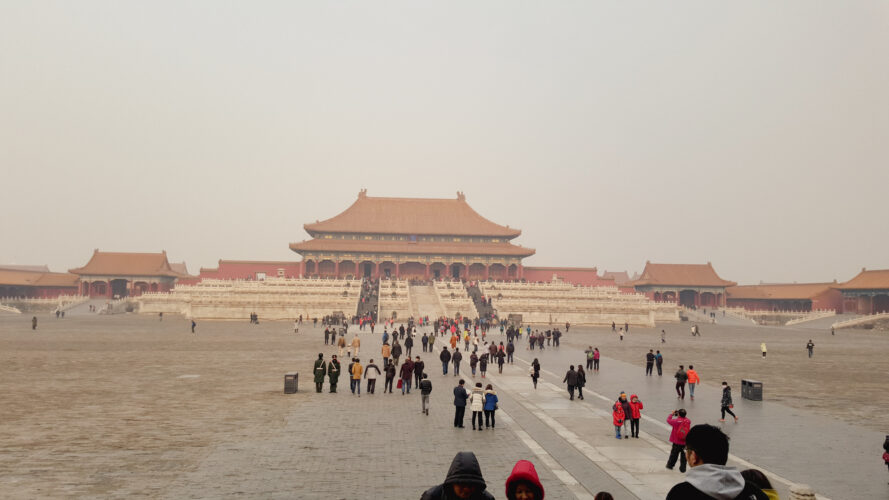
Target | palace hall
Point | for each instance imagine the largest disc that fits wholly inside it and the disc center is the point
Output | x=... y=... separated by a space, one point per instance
x=407 y=238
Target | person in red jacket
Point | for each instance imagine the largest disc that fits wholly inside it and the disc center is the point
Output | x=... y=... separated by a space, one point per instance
x=635 y=414
x=617 y=413
x=681 y=426
x=523 y=483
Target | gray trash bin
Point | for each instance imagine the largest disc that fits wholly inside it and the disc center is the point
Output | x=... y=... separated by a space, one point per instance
x=291 y=382
x=751 y=389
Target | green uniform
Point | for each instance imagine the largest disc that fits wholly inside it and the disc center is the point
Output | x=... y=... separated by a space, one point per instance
x=333 y=372
x=320 y=371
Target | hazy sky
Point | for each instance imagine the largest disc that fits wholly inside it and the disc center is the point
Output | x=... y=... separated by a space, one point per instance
x=751 y=134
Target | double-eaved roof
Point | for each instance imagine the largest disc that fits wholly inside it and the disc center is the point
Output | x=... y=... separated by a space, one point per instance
x=696 y=275
x=127 y=264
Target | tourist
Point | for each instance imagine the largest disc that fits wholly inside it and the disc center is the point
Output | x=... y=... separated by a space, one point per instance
x=523 y=483
x=491 y=401
x=445 y=358
x=408 y=345
x=628 y=412
x=419 y=365
x=762 y=347
x=396 y=350
x=510 y=349
x=636 y=407
x=492 y=352
x=501 y=356
x=473 y=362
x=659 y=362
x=386 y=351
x=160 y=316
x=34 y=324
x=295 y=326
x=333 y=373
x=681 y=378
x=460 y=397
x=371 y=376
x=463 y=481
x=320 y=370
x=540 y=342
x=483 y=365
x=589 y=358
x=810 y=347
x=618 y=416
x=193 y=324
x=596 y=357
x=693 y=380
x=663 y=337
x=535 y=372
x=680 y=427
x=613 y=326
x=758 y=479
x=340 y=344
x=356 y=344
x=706 y=448
x=425 y=386
x=425 y=341
x=385 y=336
x=571 y=380
x=649 y=362
x=390 y=377
x=886 y=451
x=432 y=342
x=477 y=404
x=832 y=332
x=581 y=381
x=603 y=495
x=407 y=372
x=727 y=402
x=621 y=334
x=453 y=340
x=455 y=359
x=357 y=369
x=326 y=336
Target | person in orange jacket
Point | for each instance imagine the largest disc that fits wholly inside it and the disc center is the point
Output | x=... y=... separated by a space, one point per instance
x=618 y=415
x=693 y=379
x=635 y=415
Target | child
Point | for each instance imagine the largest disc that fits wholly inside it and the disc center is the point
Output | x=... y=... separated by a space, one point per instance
x=617 y=413
x=636 y=410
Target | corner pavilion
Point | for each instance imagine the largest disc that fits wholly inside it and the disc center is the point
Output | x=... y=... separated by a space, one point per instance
x=411 y=238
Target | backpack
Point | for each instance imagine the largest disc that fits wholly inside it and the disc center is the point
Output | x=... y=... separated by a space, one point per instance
x=590 y=354
x=683 y=429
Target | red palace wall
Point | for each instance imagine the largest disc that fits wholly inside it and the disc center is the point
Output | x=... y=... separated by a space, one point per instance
x=582 y=276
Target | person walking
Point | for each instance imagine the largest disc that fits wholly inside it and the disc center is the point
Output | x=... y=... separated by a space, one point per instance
x=355 y=345
x=333 y=373
x=810 y=347
x=693 y=380
x=390 y=377
x=408 y=345
x=445 y=358
x=727 y=402
x=681 y=378
x=419 y=366
x=357 y=369
x=477 y=404
x=649 y=362
x=581 y=381
x=762 y=347
x=326 y=336
x=473 y=362
x=460 y=397
x=371 y=376
x=425 y=386
x=455 y=359
x=636 y=407
x=432 y=342
x=617 y=417
x=483 y=365
x=341 y=345
x=589 y=358
x=659 y=362
x=319 y=371
x=425 y=341
x=407 y=372
x=535 y=372
x=510 y=349
x=596 y=360
x=571 y=380
x=523 y=483
x=396 y=351
x=193 y=324
x=386 y=351
x=663 y=337
x=491 y=401
x=501 y=356
x=679 y=429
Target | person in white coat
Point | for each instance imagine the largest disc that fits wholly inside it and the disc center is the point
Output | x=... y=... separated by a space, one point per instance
x=477 y=405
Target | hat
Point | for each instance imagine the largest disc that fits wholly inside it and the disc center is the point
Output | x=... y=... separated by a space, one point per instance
x=623 y=394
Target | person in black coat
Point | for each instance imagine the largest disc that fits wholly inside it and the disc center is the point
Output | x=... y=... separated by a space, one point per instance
x=464 y=481
x=445 y=358
x=571 y=380
x=460 y=397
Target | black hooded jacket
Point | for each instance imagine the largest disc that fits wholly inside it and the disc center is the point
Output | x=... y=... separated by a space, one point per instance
x=464 y=470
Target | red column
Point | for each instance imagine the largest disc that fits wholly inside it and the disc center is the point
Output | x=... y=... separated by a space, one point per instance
x=397 y=269
x=487 y=272
x=357 y=269
x=521 y=271
x=336 y=269
x=108 y=293
x=427 y=271
x=302 y=268
x=377 y=269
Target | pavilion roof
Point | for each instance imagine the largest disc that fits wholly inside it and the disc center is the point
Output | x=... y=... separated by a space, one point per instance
x=20 y=267
x=409 y=216
x=180 y=268
x=877 y=279
x=681 y=275
x=36 y=278
x=407 y=247
x=127 y=264
x=619 y=277
x=781 y=291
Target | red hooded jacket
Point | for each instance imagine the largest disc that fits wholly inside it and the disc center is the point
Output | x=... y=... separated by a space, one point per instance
x=636 y=406
x=523 y=471
x=618 y=414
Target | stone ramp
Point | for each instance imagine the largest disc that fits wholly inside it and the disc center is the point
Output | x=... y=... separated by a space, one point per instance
x=425 y=301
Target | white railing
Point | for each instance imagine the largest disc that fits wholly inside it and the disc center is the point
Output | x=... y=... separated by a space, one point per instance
x=863 y=320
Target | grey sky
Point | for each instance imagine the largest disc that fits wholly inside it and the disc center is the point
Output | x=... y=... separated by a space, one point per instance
x=751 y=134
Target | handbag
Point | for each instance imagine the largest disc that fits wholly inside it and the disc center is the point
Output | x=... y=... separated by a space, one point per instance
x=398 y=386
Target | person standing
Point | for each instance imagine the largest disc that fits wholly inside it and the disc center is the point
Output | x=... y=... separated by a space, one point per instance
x=455 y=359
x=663 y=337
x=483 y=365
x=356 y=345
x=762 y=347
x=419 y=365
x=34 y=324
x=681 y=378
x=680 y=427
x=425 y=386
x=371 y=376
x=357 y=369
x=477 y=404
x=596 y=360
x=340 y=344
x=621 y=334
x=464 y=481
x=510 y=349
x=649 y=362
x=810 y=347
x=581 y=381
x=627 y=327
x=396 y=350
x=408 y=345
x=390 y=377
x=432 y=342
x=326 y=336
x=571 y=380
x=535 y=372
x=333 y=373
x=589 y=358
x=727 y=402
x=425 y=341
x=193 y=324
x=501 y=356
x=617 y=417
x=636 y=407
x=445 y=358
x=407 y=372
x=460 y=397
x=659 y=362
x=628 y=413
x=319 y=371
x=386 y=351
x=295 y=326
x=693 y=380
x=473 y=362
x=491 y=400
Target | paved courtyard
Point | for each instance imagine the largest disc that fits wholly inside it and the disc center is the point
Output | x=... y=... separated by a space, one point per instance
x=114 y=406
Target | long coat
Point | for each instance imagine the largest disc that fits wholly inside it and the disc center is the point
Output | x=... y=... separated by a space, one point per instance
x=320 y=370
x=333 y=371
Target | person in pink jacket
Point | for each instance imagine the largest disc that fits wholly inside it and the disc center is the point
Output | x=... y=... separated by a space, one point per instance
x=681 y=426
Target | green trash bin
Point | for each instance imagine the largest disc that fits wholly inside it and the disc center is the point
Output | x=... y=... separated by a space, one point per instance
x=291 y=381
x=751 y=389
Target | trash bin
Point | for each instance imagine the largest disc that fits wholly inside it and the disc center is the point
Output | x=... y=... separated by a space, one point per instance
x=751 y=389
x=291 y=382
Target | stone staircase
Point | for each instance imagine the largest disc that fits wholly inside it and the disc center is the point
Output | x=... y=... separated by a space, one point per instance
x=371 y=298
x=424 y=302
x=484 y=310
